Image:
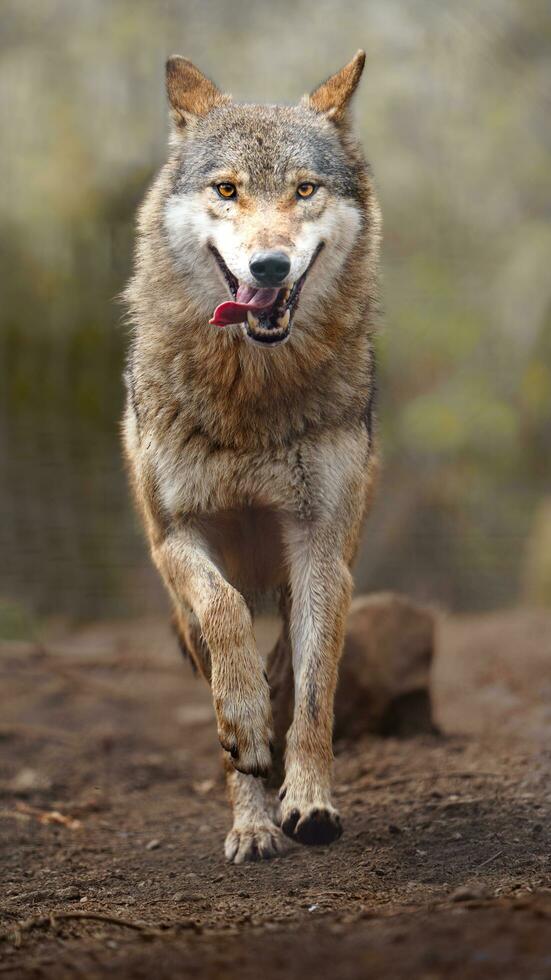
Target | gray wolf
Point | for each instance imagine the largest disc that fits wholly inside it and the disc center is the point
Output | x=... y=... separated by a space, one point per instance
x=249 y=427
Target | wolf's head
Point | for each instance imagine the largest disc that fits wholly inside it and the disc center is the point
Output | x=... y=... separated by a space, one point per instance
x=267 y=203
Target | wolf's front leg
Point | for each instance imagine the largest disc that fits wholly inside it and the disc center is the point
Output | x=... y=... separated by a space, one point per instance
x=239 y=687
x=321 y=587
x=254 y=835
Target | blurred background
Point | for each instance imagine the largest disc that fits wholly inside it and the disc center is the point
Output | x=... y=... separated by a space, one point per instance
x=454 y=111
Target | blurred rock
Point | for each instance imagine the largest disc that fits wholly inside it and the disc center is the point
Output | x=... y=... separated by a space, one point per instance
x=385 y=670
x=29 y=781
x=469 y=892
x=493 y=674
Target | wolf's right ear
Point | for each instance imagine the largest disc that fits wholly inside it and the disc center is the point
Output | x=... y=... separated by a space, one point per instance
x=190 y=93
x=333 y=96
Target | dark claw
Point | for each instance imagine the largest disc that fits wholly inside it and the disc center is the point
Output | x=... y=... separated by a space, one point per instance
x=282 y=793
x=290 y=823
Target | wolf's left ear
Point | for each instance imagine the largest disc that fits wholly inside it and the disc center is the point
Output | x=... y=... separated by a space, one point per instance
x=190 y=93
x=333 y=96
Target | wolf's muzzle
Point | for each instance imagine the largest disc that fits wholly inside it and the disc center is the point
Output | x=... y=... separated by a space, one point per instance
x=270 y=268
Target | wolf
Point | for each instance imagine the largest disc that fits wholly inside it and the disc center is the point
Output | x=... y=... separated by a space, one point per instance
x=249 y=429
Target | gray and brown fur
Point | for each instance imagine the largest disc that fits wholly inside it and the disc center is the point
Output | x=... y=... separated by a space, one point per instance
x=253 y=469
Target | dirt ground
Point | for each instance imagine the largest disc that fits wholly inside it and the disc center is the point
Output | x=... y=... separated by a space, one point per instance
x=112 y=804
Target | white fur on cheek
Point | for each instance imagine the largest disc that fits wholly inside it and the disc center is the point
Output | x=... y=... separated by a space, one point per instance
x=226 y=239
x=189 y=229
x=338 y=228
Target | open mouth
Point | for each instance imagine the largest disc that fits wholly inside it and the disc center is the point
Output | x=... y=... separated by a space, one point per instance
x=265 y=313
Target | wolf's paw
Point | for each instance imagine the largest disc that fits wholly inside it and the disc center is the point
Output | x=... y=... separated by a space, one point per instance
x=255 y=842
x=245 y=731
x=311 y=825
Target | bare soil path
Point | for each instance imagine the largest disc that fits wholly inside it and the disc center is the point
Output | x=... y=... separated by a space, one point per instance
x=113 y=815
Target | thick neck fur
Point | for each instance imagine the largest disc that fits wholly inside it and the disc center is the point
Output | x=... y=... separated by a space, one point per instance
x=197 y=378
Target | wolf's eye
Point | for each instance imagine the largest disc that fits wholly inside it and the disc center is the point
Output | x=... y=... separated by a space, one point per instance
x=226 y=190
x=306 y=189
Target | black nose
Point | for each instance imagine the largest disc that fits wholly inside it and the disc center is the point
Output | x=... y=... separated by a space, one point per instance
x=270 y=268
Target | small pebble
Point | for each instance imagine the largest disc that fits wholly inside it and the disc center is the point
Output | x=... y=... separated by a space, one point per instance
x=71 y=892
x=152 y=845
x=28 y=780
x=466 y=892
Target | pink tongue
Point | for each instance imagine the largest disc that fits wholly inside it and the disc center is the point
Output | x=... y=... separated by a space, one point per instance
x=248 y=298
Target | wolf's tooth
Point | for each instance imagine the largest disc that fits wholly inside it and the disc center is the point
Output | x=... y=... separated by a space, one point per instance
x=286 y=295
x=283 y=321
x=252 y=320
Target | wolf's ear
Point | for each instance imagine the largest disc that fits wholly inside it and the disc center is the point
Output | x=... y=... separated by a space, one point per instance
x=190 y=93
x=332 y=97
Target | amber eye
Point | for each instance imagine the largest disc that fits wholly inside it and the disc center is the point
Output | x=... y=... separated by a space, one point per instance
x=226 y=190
x=306 y=189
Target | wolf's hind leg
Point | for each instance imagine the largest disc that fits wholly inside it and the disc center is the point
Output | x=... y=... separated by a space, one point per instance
x=254 y=835
x=279 y=668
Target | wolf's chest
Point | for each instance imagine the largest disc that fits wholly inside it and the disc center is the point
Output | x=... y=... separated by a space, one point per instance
x=195 y=477
x=309 y=479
